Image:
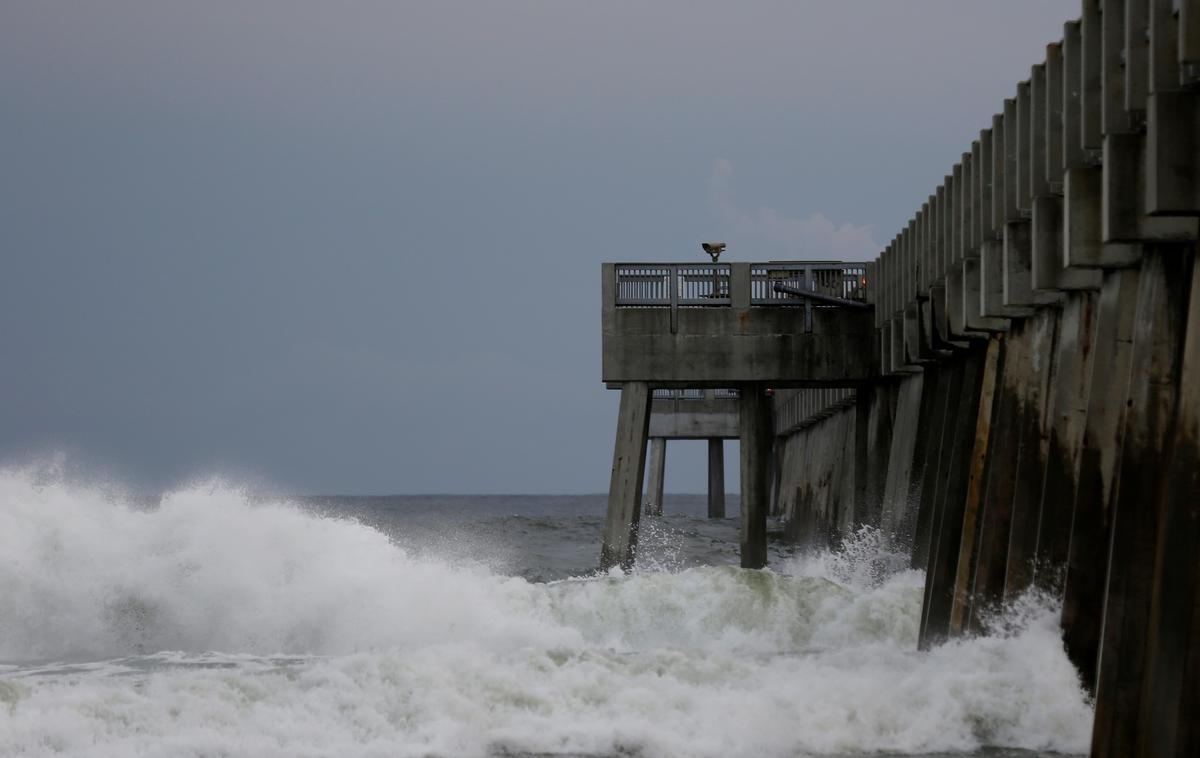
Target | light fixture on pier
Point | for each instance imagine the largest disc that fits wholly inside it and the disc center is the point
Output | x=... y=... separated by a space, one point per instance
x=713 y=248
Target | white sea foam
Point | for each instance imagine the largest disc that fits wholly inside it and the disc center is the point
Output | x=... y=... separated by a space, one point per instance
x=333 y=641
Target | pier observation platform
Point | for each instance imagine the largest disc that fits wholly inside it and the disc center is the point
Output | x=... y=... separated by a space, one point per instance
x=698 y=351
x=721 y=324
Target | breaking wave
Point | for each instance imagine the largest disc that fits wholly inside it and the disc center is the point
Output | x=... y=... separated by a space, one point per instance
x=215 y=623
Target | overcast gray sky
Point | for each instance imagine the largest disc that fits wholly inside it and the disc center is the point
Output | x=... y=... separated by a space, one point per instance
x=355 y=247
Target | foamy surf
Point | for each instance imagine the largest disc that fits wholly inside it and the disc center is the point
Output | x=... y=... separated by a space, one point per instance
x=218 y=625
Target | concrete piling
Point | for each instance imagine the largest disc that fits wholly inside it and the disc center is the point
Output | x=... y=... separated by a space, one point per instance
x=1167 y=723
x=756 y=441
x=658 y=470
x=1099 y=455
x=1068 y=414
x=625 y=485
x=1032 y=449
x=1155 y=371
x=716 y=478
x=957 y=443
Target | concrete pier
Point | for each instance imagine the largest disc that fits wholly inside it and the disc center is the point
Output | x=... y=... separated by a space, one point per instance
x=1020 y=409
x=1067 y=237
x=703 y=339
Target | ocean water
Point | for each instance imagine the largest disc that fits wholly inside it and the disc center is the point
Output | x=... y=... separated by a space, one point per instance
x=217 y=622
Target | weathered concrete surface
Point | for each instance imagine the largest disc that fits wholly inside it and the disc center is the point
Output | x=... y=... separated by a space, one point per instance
x=1099 y=456
x=817 y=485
x=1124 y=217
x=658 y=472
x=723 y=346
x=625 y=484
x=1049 y=274
x=756 y=442
x=1157 y=356
x=1017 y=253
x=1083 y=245
x=821 y=476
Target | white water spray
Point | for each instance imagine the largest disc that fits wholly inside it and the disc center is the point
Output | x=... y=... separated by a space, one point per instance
x=214 y=624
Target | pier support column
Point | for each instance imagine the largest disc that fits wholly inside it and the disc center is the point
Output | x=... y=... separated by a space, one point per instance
x=1033 y=447
x=756 y=439
x=716 y=478
x=1162 y=308
x=950 y=498
x=1168 y=720
x=1068 y=405
x=995 y=517
x=625 y=486
x=1099 y=458
x=658 y=469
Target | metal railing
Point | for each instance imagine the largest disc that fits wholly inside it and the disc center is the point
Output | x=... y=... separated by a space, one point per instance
x=801 y=408
x=695 y=394
x=649 y=285
x=698 y=285
x=673 y=394
x=844 y=280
